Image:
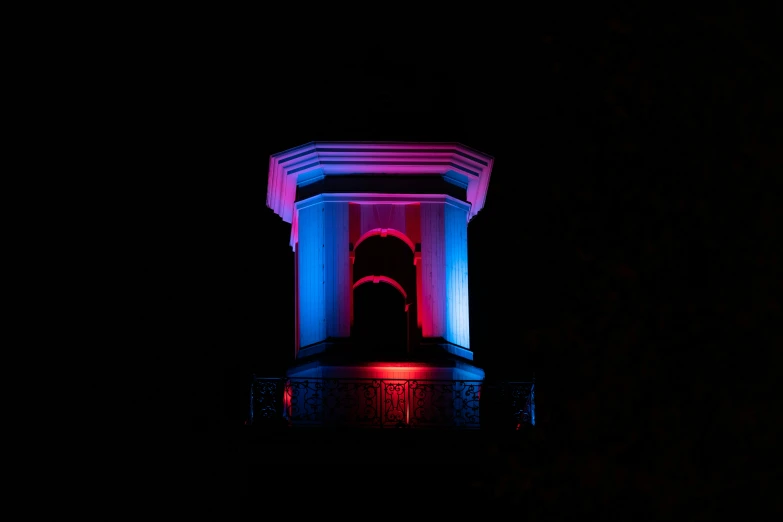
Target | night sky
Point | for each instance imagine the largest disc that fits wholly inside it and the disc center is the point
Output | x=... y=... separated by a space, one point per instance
x=628 y=254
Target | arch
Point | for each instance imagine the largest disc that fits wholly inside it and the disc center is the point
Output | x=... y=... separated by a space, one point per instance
x=383 y=232
x=383 y=279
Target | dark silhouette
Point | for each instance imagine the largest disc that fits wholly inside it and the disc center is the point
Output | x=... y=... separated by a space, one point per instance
x=629 y=253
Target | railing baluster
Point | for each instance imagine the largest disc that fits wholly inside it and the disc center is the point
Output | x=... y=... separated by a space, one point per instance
x=250 y=409
x=410 y=386
x=389 y=403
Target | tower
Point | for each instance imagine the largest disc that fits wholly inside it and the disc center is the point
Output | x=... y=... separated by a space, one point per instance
x=380 y=239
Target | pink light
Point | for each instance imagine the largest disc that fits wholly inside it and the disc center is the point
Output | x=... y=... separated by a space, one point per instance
x=381 y=279
x=401 y=368
x=286 y=402
x=383 y=232
x=390 y=372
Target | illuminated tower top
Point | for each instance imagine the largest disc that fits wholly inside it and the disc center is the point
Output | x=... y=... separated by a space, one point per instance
x=327 y=161
x=389 y=212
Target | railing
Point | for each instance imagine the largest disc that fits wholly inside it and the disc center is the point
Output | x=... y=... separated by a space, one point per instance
x=391 y=403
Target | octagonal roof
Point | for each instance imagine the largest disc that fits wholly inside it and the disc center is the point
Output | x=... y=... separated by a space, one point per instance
x=304 y=164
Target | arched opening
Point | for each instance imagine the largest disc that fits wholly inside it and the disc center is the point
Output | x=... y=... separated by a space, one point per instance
x=380 y=320
x=384 y=232
x=387 y=256
x=384 y=295
x=383 y=279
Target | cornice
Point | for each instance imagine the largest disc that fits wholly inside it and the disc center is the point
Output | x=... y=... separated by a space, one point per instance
x=315 y=160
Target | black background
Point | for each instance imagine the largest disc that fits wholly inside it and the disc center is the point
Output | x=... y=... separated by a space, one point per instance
x=628 y=254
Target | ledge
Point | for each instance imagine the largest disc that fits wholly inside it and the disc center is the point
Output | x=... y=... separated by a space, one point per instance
x=309 y=163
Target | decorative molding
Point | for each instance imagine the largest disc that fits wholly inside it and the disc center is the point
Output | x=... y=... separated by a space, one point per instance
x=312 y=161
x=382 y=279
x=369 y=199
x=384 y=232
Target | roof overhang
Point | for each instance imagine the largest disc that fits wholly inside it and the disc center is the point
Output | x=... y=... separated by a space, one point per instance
x=313 y=161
